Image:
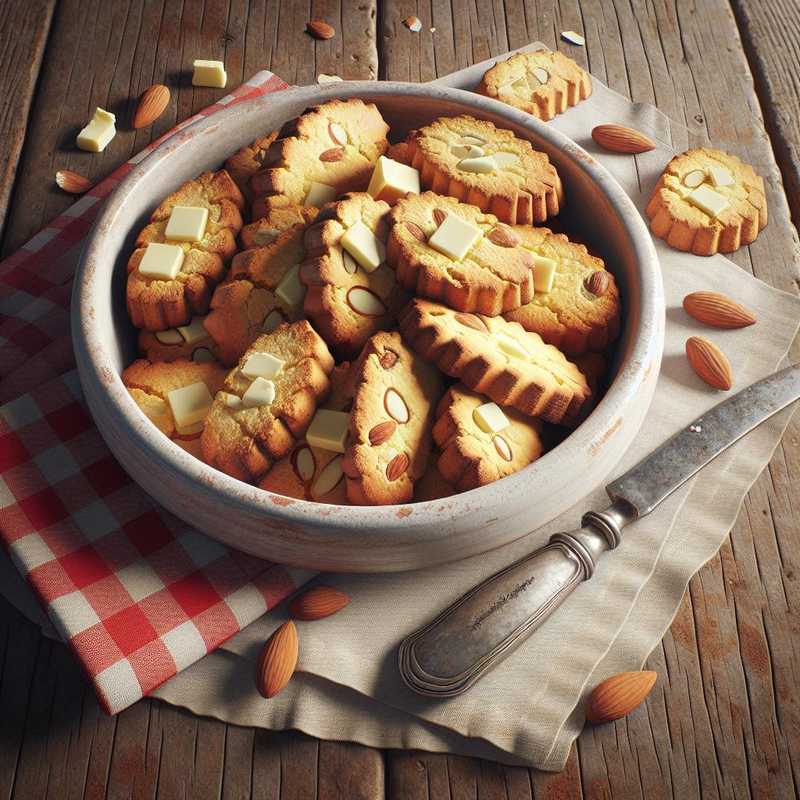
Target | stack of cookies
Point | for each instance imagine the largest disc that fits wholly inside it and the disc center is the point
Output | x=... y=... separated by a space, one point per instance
x=337 y=319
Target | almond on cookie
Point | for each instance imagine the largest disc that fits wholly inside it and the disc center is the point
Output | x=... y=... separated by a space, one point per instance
x=192 y=342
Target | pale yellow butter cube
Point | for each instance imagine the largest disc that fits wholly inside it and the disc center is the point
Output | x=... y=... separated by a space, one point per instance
x=544 y=270
x=454 y=237
x=328 y=430
x=364 y=246
x=290 y=290
x=262 y=365
x=720 y=176
x=261 y=392
x=708 y=201
x=392 y=180
x=209 y=73
x=511 y=347
x=98 y=133
x=161 y=261
x=490 y=418
x=319 y=194
x=189 y=406
x=194 y=331
x=186 y=224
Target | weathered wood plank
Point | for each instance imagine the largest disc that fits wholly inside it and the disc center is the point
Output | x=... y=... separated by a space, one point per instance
x=23 y=33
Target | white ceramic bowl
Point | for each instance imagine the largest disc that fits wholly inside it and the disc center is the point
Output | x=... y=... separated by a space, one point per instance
x=364 y=538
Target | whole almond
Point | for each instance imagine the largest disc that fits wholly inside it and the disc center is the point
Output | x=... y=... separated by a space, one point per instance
x=598 y=282
x=72 y=183
x=318 y=602
x=618 y=695
x=709 y=362
x=334 y=154
x=717 y=310
x=415 y=231
x=397 y=466
x=151 y=105
x=320 y=29
x=277 y=661
x=439 y=215
x=382 y=431
x=619 y=139
x=503 y=236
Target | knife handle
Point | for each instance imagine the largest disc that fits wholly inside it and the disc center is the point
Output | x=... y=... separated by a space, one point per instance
x=470 y=637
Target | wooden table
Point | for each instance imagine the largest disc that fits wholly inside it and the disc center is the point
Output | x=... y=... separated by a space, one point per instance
x=724 y=720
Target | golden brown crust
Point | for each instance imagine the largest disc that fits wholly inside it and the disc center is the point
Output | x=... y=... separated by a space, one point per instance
x=685 y=227
x=170 y=345
x=577 y=314
x=497 y=358
x=267 y=229
x=245 y=442
x=472 y=457
x=243 y=164
x=335 y=282
x=523 y=188
x=493 y=277
x=390 y=422
x=543 y=83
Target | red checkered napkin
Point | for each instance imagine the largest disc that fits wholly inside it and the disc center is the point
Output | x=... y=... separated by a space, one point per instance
x=136 y=593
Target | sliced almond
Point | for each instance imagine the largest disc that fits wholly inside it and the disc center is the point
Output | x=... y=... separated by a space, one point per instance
x=694 y=178
x=717 y=310
x=467 y=151
x=416 y=231
x=71 y=182
x=709 y=362
x=320 y=29
x=350 y=265
x=541 y=75
x=598 y=282
x=503 y=448
x=619 y=139
x=333 y=154
x=439 y=215
x=328 y=479
x=151 y=105
x=397 y=467
x=303 y=463
x=277 y=661
x=573 y=37
x=395 y=406
x=382 y=432
x=503 y=236
x=337 y=133
x=472 y=321
x=365 y=302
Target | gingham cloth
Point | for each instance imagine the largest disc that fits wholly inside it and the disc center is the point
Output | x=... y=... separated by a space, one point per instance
x=136 y=593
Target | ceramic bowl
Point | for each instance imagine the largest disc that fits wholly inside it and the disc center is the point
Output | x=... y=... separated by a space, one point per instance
x=365 y=539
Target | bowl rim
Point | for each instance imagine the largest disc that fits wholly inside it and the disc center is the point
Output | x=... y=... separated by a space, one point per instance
x=96 y=367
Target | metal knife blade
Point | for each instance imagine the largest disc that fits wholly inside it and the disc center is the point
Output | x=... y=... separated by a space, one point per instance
x=659 y=474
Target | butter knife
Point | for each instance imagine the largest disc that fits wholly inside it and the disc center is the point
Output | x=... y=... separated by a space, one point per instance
x=474 y=634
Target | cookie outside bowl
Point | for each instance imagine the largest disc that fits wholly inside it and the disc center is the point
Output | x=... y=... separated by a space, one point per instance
x=369 y=539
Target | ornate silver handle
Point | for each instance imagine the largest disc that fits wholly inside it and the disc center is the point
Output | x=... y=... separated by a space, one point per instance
x=448 y=655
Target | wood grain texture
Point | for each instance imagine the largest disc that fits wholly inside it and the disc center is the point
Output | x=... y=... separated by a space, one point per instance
x=23 y=33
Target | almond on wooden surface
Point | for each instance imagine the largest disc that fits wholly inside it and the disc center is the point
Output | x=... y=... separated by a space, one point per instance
x=151 y=105
x=320 y=29
x=618 y=695
x=71 y=182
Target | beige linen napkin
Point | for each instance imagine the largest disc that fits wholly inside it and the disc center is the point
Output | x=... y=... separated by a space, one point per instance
x=529 y=709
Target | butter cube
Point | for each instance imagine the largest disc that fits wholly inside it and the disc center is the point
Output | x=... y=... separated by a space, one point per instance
x=161 y=261
x=319 y=194
x=511 y=347
x=194 y=331
x=544 y=270
x=98 y=133
x=231 y=400
x=186 y=224
x=708 y=201
x=454 y=237
x=209 y=73
x=328 y=430
x=260 y=392
x=189 y=406
x=490 y=418
x=262 y=365
x=290 y=290
x=364 y=246
x=720 y=176
x=482 y=165
x=392 y=180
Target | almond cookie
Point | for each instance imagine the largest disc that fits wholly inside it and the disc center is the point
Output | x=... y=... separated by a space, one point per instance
x=176 y=397
x=708 y=201
x=192 y=342
x=310 y=472
x=488 y=167
x=329 y=150
x=262 y=291
x=269 y=228
x=543 y=83
x=351 y=292
x=497 y=358
x=432 y=486
x=480 y=442
x=458 y=254
x=242 y=165
x=267 y=401
x=390 y=422
x=171 y=277
x=576 y=303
